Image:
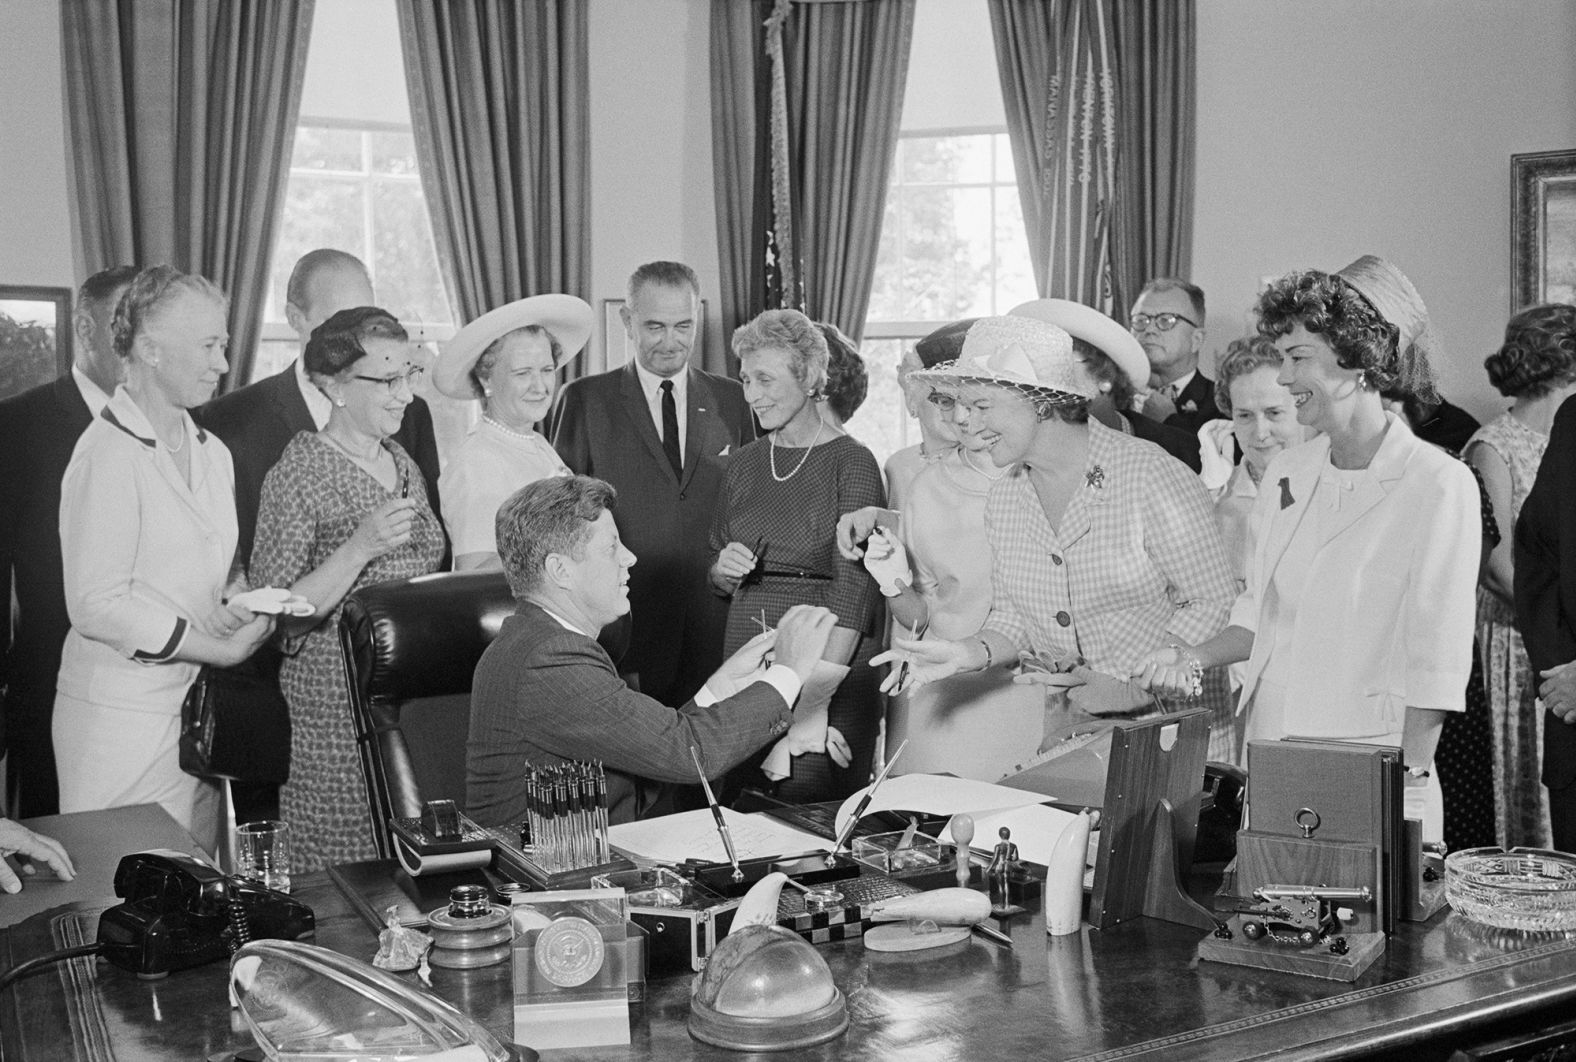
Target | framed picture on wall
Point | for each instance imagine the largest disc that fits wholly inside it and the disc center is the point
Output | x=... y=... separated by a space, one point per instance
x=35 y=336
x=616 y=347
x=1542 y=228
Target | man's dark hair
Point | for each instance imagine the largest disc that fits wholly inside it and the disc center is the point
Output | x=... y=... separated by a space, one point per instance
x=552 y=515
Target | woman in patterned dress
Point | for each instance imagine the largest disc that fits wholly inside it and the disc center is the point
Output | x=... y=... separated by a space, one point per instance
x=774 y=537
x=509 y=359
x=1536 y=366
x=344 y=508
x=1103 y=547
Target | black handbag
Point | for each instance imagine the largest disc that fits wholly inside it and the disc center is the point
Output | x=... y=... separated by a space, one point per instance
x=235 y=724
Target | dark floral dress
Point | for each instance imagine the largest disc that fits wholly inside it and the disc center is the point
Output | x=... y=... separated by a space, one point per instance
x=313 y=501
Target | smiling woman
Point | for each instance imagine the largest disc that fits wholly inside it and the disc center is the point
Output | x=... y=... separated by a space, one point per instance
x=509 y=359
x=344 y=508
x=774 y=537
x=1354 y=626
x=147 y=535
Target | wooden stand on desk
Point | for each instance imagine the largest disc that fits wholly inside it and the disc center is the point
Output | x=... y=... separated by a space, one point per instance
x=1148 y=819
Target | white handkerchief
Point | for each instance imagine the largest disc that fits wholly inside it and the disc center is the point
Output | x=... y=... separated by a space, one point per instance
x=274 y=600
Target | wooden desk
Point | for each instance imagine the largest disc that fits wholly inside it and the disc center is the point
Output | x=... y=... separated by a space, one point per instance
x=1133 y=991
x=96 y=840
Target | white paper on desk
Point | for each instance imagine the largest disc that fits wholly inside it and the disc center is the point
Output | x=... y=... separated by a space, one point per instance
x=693 y=835
x=1034 y=826
x=940 y=794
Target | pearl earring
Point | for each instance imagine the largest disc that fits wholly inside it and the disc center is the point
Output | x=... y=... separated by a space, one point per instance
x=340 y=402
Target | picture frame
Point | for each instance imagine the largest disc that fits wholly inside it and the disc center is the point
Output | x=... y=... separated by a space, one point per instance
x=617 y=351
x=35 y=336
x=1542 y=228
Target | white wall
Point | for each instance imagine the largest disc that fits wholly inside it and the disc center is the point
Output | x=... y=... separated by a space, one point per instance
x=1333 y=129
x=35 y=221
x=651 y=179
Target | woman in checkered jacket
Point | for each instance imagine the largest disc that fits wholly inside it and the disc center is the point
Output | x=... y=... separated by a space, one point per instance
x=1103 y=547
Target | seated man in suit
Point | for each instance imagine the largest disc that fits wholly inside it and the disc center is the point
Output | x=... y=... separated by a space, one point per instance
x=545 y=692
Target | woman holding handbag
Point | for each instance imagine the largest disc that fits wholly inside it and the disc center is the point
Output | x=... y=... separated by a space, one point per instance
x=147 y=535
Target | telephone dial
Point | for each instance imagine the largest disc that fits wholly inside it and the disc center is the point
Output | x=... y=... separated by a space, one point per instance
x=179 y=912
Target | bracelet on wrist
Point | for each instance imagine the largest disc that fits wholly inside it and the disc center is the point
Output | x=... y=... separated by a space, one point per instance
x=1195 y=669
x=989 y=658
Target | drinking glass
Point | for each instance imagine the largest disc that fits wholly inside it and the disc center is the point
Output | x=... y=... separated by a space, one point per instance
x=263 y=853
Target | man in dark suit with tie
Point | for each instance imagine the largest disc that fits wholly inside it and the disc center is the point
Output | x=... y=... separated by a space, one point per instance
x=259 y=420
x=1168 y=319
x=660 y=431
x=38 y=431
x=1545 y=556
x=546 y=692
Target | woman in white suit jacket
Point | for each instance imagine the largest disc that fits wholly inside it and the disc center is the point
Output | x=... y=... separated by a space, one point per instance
x=1364 y=543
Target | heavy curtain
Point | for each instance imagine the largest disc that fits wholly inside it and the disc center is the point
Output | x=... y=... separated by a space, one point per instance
x=180 y=115
x=1099 y=100
x=800 y=194
x=499 y=99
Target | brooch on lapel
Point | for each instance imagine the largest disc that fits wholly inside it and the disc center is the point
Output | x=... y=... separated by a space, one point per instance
x=1095 y=478
x=1287 y=501
x=1189 y=406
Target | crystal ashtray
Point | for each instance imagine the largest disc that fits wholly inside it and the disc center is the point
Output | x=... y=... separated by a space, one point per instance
x=1530 y=889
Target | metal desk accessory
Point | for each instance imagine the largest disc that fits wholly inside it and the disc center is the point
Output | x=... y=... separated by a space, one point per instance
x=1317 y=875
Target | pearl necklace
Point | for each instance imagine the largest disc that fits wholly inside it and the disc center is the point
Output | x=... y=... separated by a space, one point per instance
x=528 y=436
x=357 y=458
x=971 y=488
x=819 y=424
x=173 y=450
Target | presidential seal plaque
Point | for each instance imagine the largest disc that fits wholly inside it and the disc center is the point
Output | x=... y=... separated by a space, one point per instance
x=569 y=952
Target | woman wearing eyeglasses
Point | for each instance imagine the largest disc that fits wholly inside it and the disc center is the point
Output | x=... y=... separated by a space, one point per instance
x=344 y=508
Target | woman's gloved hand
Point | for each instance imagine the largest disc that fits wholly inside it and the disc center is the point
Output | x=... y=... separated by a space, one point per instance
x=887 y=562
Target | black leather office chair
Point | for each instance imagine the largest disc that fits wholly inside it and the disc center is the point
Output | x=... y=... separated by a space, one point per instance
x=410 y=648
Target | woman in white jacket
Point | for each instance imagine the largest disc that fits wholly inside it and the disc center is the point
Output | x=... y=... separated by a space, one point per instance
x=1356 y=622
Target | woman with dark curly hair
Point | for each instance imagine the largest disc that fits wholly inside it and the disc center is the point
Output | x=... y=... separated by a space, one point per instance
x=1536 y=366
x=847 y=379
x=1356 y=622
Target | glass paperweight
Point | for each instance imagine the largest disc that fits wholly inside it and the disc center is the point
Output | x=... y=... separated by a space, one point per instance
x=303 y=1003
x=1529 y=889
x=765 y=988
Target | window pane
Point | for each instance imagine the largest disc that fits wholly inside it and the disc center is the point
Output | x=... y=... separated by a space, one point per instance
x=318 y=212
x=394 y=152
x=319 y=148
x=973 y=159
x=1014 y=269
x=1005 y=171
x=930 y=160
x=404 y=258
x=886 y=287
x=272 y=356
x=946 y=253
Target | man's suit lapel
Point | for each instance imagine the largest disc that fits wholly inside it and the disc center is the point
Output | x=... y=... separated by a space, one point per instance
x=288 y=404
x=639 y=414
x=1199 y=393
x=700 y=409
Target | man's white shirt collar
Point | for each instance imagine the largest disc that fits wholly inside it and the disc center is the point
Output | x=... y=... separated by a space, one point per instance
x=565 y=624
x=317 y=403
x=1181 y=382
x=91 y=392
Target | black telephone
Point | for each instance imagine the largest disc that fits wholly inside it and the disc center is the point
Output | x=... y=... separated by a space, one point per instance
x=180 y=912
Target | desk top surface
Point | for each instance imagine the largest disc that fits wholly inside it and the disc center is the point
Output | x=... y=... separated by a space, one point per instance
x=96 y=841
x=1131 y=991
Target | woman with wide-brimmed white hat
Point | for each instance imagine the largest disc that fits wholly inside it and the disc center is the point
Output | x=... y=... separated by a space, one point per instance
x=1103 y=547
x=508 y=359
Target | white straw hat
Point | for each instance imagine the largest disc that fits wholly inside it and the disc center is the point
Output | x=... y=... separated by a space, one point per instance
x=1096 y=329
x=566 y=317
x=1024 y=353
